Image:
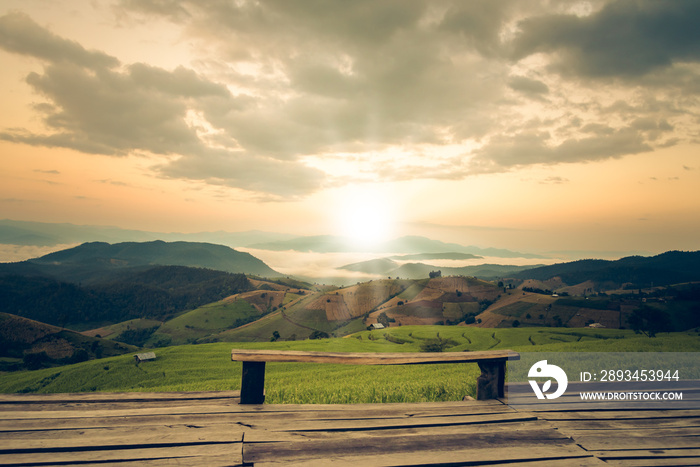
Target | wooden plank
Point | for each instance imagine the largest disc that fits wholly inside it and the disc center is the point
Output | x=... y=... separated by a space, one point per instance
x=116 y=396
x=639 y=424
x=78 y=403
x=117 y=412
x=329 y=410
x=96 y=406
x=268 y=436
x=619 y=414
x=510 y=457
x=48 y=432
x=261 y=419
x=196 y=454
x=344 y=446
x=121 y=438
x=577 y=405
x=256 y=415
x=385 y=424
x=678 y=457
x=224 y=460
x=258 y=418
x=677 y=462
x=55 y=425
x=622 y=441
x=126 y=421
x=369 y=358
x=687 y=385
x=634 y=432
x=648 y=454
x=257 y=421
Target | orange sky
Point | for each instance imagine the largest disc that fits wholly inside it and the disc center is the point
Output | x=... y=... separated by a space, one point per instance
x=470 y=122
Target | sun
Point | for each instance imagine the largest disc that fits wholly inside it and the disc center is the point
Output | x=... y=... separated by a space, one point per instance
x=365 y=217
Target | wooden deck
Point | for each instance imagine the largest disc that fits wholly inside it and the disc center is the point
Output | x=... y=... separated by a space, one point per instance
x=212 y=429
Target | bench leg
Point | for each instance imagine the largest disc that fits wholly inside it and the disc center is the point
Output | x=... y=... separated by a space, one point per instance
x=491 y=384
x=253 y=383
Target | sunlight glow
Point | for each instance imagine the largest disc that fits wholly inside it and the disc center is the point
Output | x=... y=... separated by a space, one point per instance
x=364 y=216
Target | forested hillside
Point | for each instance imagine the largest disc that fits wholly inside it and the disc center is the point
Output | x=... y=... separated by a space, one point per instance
x=28 y=344
x=667 y=268
x=157 y=292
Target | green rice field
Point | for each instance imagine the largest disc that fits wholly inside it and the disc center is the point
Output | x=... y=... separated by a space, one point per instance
x=207 y=367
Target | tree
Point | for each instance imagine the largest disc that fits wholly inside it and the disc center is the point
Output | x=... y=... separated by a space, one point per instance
x=649 y=321
x=383 y=319
x=434 y=274
x=34 y=361
x=275 y=336
x=434 y=345
x=319 y=335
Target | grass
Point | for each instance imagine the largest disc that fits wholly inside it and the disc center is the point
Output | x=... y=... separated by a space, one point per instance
x=207 y=367
x=205 y=321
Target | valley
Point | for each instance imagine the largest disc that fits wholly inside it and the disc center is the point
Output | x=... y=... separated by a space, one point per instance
x=98 y=300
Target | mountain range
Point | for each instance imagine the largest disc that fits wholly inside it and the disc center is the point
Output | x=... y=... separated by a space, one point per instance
x=49 y=234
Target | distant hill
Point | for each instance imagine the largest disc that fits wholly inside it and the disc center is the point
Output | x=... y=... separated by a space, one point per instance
x=433 y=256
x=380 y=266
x=667 y=268
x=28 y=344
x=388 y=267
x=482 y=271
x=99 y=261
x=129 y=254
x=403 y=245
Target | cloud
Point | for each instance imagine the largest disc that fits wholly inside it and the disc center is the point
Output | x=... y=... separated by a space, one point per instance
x=450 y=89
x=529 y=87
x=337 y=75
x=18 y=200
x=478 y=23
x=625 y=38
x=21 y=35
x=529 y=148
x=554 y=180
x=278 y=179
x=112 y=182
x=96 y=108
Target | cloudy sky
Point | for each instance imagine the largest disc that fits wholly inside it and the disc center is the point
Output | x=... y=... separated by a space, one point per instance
x=526 y=124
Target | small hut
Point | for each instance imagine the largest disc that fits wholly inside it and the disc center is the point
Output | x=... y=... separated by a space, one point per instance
x=144 y=357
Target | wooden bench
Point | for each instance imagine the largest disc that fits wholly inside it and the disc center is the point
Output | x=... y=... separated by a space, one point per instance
x=490 y=385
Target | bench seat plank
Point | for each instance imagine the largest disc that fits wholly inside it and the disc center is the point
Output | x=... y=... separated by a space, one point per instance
x=395 y=358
